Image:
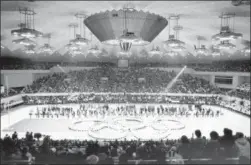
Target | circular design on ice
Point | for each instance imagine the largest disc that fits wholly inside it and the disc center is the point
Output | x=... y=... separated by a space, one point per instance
x=119 y=127
x=167 y=124
x=84 y=125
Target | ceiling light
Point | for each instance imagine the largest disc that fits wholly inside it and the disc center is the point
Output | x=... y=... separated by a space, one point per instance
x=27 y=29
x=246 y=50
x=76 y=43
x=76 y=52
x=178 y=48
x=71 y=47
x=125 y=46
x=173 y=39
x=81 y=41
x=26 y=32
x=227 y=29
x=24 y=41
x=94 y=50
x=29 y=49
x=216 y=52
x=202 y=50
x=123 y=54
x=130 y=37
x=46 y=49
x=155 y=51
x=148 y=26
x=172 y=42
x=224 y=45
x=171 y=53
x=226 y=34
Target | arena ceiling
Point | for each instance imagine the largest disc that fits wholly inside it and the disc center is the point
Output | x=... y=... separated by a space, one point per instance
x=197 y=18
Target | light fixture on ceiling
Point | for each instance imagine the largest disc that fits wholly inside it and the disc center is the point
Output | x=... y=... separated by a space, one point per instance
x=76 y=52
x=46 y=48
x=94 y=50
x=124 y=50
x=216 y=52
x=201 y=49
x=27 y=29
x=172 y=42
x=122 y=54
x=226 y=28
x=155 y=51
x=72 y=46
x=171 y=53
x=246 y=50
x=125 y=46
x=224 y=45
x=173 y=39
x=24 y=41
x=178 y=48
x=128 y=37
x=29 y=49
x=148 y=26
x=79 y=40
x=2 y=47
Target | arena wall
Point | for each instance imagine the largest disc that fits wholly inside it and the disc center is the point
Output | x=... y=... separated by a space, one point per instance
x=21 y=78
x=237 y=77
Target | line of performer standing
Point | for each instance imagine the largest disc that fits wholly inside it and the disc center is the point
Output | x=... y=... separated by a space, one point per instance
x=57 y=111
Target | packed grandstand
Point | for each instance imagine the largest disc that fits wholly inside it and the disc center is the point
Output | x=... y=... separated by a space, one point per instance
x=135 y=85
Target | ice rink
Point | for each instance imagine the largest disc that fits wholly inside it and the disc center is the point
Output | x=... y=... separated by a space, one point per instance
x=118 y=127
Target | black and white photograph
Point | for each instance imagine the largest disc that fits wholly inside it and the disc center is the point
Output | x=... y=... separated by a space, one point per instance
x=125 y=82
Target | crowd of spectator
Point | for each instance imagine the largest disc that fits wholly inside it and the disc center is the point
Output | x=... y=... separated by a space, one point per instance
x=243 y=94
x=104 y=80
x=115 y=80
x=244 y=87
x=224 y=66
x=215 y=150
x=11 y=92
x=216 y=66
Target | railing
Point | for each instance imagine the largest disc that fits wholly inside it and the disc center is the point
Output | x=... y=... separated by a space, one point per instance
x=17 y=162
x=116 y=161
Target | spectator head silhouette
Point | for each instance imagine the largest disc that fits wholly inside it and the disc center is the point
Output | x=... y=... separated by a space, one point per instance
x=214 y=135
x=228 y=132
x=184 y=139
x=197 y=133
x=239 y=135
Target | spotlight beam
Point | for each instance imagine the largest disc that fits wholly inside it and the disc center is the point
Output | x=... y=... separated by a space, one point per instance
x=170 y=85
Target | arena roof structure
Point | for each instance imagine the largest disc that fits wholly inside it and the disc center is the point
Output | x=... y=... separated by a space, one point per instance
x=147 y=20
